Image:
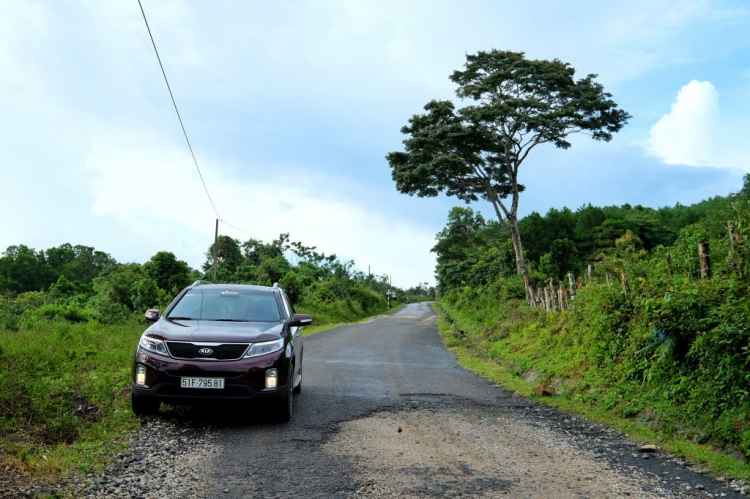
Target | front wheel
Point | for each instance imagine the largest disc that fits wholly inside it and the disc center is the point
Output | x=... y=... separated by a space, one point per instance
x=144 y=406
x=284 y=405
x=298 y=385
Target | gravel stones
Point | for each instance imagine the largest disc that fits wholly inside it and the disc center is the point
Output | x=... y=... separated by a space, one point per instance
x=166 y=459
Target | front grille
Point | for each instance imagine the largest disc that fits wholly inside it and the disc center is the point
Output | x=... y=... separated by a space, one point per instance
x=204 y=373
x=229 y=391
x=226 y=351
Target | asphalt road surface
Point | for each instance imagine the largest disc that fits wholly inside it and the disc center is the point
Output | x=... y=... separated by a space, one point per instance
x=385 y=411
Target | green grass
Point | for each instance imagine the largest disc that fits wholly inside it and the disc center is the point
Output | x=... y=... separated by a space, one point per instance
x=64 y=396
x=317 y=328
x=341 y=311
x=520 y=349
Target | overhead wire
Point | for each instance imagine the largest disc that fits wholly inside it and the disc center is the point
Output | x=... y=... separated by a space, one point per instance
x=237 y=228
x=182 y=125
x=153 y=43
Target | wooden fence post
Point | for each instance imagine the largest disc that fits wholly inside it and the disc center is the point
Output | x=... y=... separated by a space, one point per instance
x=561 y=296
x=705 y=260
x=553 y=296
x=572 y=285
x=625 y=285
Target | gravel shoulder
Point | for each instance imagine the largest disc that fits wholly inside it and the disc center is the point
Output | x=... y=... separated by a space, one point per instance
x=167 y=457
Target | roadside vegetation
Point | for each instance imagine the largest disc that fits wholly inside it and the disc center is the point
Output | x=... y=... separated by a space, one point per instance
x=71 y=316
x=651 y=343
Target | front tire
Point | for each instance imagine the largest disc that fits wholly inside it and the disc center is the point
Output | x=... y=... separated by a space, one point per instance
x=284 y=407
x=298 y=386
x=144 y=406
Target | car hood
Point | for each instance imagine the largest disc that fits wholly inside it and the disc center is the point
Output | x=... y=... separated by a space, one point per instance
x=213 y=331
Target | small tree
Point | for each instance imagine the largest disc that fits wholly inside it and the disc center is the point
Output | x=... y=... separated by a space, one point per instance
x=476 y=152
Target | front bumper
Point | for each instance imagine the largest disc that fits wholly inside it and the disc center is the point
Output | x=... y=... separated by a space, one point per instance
x=243 y=379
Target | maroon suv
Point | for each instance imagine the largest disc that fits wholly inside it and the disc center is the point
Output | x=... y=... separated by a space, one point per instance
x=221 y=341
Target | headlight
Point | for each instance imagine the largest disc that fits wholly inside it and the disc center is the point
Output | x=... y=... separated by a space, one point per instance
x=265 y=348
x=153 y=345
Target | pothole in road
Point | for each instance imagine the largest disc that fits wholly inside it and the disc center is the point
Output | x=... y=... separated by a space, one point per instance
x=474 y=452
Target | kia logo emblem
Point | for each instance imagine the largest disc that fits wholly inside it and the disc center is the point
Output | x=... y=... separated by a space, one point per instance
x=205 y=351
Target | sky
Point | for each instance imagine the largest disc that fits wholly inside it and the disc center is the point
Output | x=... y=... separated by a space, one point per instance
x=291 y=108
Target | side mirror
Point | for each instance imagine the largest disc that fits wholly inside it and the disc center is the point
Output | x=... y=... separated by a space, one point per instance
x=301 y=320
x=152 y=314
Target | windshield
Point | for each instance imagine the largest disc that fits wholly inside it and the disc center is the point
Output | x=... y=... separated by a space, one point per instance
x=237 y=306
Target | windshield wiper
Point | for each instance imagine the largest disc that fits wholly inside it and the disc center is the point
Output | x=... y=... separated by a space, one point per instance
x=230 y=320
x=182 y=318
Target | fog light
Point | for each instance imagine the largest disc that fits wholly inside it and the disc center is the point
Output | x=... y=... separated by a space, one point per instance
x=272 y=378
x=140 y=374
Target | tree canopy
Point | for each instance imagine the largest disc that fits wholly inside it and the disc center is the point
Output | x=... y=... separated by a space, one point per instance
x=476 y=151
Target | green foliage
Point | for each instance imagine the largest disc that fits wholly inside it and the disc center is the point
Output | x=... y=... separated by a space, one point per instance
x=167 y=272
x=61 y=383
x=562 y=257
x=672 y=353
x=318 y=282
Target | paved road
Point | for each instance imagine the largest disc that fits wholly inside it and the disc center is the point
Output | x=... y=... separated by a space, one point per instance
x=349 y=373
x=385 y=411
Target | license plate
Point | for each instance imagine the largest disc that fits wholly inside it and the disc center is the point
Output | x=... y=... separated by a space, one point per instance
x=202 y=383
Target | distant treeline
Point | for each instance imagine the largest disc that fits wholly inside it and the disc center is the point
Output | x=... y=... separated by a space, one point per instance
x=474 y=251
x=79 y=283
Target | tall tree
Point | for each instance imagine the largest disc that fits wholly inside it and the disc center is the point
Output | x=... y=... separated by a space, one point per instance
x=476 y=151
x=169 y=273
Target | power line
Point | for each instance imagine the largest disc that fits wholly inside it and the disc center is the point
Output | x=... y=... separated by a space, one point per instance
x=178 y=112
x=237 y=228
x=182 y=125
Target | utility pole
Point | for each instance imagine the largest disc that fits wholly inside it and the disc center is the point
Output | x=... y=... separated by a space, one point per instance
x=216 y=246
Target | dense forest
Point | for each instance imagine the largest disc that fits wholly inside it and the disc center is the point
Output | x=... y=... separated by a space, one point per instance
x=649 y=334
x=474 y=251
x=79 y=283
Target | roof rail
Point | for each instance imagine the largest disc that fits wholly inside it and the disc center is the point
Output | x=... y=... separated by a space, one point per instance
x=201 y=282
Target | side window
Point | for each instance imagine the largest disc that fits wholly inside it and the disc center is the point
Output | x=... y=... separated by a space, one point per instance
x=287 y=306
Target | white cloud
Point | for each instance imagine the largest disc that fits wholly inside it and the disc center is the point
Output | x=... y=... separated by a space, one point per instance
x=687 y=134
x=698 y=132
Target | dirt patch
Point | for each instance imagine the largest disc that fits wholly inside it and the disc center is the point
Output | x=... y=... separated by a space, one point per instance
x=445 y=453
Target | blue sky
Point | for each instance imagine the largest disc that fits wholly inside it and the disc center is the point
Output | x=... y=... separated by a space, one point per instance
x=292 y=106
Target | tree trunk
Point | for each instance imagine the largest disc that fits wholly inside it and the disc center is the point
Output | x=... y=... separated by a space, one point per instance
x=518 y=249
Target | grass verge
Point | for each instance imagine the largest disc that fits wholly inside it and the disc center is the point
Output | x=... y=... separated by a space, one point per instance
x=64 y=397
x=515 y=369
